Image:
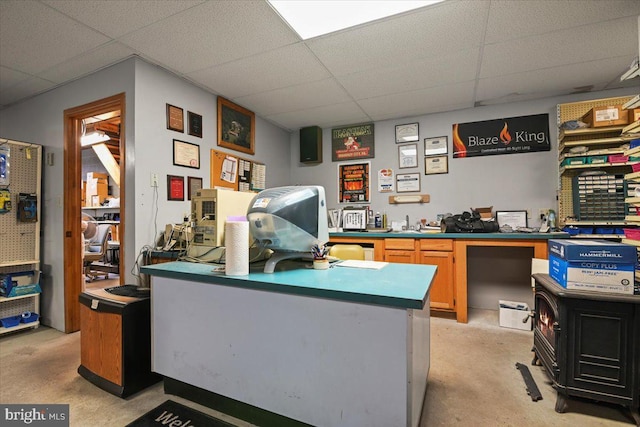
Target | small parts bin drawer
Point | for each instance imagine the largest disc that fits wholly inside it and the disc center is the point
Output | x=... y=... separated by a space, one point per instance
x=436 y=245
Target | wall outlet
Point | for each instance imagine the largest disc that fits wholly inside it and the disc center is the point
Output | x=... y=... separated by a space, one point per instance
x=154 y=179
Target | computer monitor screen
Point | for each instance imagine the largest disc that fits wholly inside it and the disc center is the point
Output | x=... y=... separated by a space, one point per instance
x=289 y=220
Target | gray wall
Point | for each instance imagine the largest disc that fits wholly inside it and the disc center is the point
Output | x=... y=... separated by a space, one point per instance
x=148 y=88
x=506 y=182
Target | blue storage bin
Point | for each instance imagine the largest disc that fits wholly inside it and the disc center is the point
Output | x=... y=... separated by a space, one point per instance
x=28 y=317
x=604 y=230
x=11 y=321
x=573 y=231
x=586 y=230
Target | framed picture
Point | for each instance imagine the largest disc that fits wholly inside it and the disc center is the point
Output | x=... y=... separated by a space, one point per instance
x=407 y=133
x=354 y=182
x=408 y=182
x=193 y=184
x=236 y=127
x=514 y=219
x=175 y=187
x=436 y=164
x=195 y=124
x=175 y=118
x=408 y=156
x=436 y=145
x=186 y=154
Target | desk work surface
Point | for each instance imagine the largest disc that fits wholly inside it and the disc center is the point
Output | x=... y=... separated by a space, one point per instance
x=395 y=285
x=481 y=236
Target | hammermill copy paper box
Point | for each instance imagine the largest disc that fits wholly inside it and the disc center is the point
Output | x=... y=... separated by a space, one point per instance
x=593 y=265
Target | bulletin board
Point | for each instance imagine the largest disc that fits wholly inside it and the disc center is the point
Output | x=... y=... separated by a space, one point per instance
x=236 y=173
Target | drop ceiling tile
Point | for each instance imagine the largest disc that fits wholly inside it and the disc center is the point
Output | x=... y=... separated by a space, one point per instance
x=287 y=66
x=293 y=98
x=412 y=103
x=420 y=74
x=9 y=78
x=92 y=61
x=116 y=18
x=24 y=89
x=587 y=43
x=430 y=32
x=510 y=19
x=326 y=116
x=210 y=34
x=557 y=80
x=34 y=37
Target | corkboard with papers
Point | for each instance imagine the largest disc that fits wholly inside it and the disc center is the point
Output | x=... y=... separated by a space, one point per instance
x=236 y=173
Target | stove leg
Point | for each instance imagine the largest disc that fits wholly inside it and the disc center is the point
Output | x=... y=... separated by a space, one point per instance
x=536 y=360
x=636 y=416
x=561 y=403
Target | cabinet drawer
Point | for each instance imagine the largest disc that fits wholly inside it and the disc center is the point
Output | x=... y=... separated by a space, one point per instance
x=436 y=245
x=407 y=244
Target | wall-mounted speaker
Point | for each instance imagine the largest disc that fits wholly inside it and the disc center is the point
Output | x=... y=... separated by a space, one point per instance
x=311 y=144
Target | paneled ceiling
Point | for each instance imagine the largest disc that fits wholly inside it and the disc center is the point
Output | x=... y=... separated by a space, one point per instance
x=453 y=55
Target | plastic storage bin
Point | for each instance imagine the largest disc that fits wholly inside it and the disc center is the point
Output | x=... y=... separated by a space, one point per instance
x=11 y=321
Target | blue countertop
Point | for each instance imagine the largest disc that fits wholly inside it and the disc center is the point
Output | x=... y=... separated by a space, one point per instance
x=419 y=235
x=395 y=285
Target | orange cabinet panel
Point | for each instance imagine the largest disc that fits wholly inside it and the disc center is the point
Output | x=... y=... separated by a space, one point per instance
x=436 y=245
x=442 y=288
x=405 y=257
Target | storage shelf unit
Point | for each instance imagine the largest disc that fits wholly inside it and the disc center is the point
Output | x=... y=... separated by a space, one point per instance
x=20 y=249
x=601 y=141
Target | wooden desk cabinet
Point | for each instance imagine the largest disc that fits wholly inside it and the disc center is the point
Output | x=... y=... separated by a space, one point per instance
x=439 y=252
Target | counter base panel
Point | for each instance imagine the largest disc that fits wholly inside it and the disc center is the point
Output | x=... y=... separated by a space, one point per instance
x=315 y=360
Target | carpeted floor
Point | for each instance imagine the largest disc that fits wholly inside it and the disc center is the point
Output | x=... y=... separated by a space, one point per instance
x=473 y=381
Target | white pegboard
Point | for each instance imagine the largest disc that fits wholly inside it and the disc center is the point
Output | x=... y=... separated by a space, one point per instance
x=20 y=240
x=15 y=306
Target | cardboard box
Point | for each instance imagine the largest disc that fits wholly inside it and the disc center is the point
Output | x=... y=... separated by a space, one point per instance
x=96 y=192
x=593 y=276
x=97 y=175
x=485 y=213
x=593 y=251
x=612 y=115
x=512 y=315
x=634 y=115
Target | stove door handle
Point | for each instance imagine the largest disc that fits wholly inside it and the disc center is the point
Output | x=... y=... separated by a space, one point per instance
x=531 y=314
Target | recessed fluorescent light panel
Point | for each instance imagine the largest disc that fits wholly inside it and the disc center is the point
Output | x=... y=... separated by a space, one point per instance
x=312 y=18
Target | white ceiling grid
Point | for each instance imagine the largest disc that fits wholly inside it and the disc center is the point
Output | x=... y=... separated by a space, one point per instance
x=444 y=57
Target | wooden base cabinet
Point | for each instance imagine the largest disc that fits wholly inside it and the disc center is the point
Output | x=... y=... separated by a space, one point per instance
x=442 y=293
x=400 y=250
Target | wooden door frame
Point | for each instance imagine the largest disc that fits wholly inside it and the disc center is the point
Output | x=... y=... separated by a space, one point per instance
x=72 y=194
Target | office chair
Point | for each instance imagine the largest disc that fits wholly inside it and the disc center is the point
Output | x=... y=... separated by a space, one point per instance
x=342 y=251
x=95 y=250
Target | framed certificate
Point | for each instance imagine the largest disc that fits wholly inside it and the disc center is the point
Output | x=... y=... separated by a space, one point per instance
x=434 y=146
x=435 y=165
x=407 y=133
x=186 y=154
x=514 y=219
x=408 y=182
x=408 y=156
x=195 y=124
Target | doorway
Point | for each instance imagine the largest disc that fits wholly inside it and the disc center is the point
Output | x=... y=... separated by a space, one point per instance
x=75 y=123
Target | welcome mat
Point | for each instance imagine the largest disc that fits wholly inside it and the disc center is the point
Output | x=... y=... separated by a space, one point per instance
x=172 y=413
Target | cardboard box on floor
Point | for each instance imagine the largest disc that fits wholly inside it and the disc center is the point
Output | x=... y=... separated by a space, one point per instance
x=513 y=313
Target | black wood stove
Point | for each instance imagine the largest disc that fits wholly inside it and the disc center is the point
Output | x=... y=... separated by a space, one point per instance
x=589 y=344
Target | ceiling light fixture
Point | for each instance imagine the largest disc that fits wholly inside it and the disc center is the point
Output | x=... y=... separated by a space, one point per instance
x=93 y=138
x=312 y=18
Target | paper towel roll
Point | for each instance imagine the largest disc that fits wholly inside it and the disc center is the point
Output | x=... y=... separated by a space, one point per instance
x=237 y=247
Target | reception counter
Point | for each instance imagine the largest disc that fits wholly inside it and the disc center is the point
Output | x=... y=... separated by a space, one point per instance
x=449 y=251
x=337 y=347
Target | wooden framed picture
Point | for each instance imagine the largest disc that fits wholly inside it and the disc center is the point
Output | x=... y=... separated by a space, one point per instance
x=193 y=184
x=407 y=182
x=175 y=118
x=195 y=124
x=175 y=187
x=186 y=154
x=236 y=127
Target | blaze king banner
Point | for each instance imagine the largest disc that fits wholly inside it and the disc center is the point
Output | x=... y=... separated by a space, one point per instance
x=523 y=134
